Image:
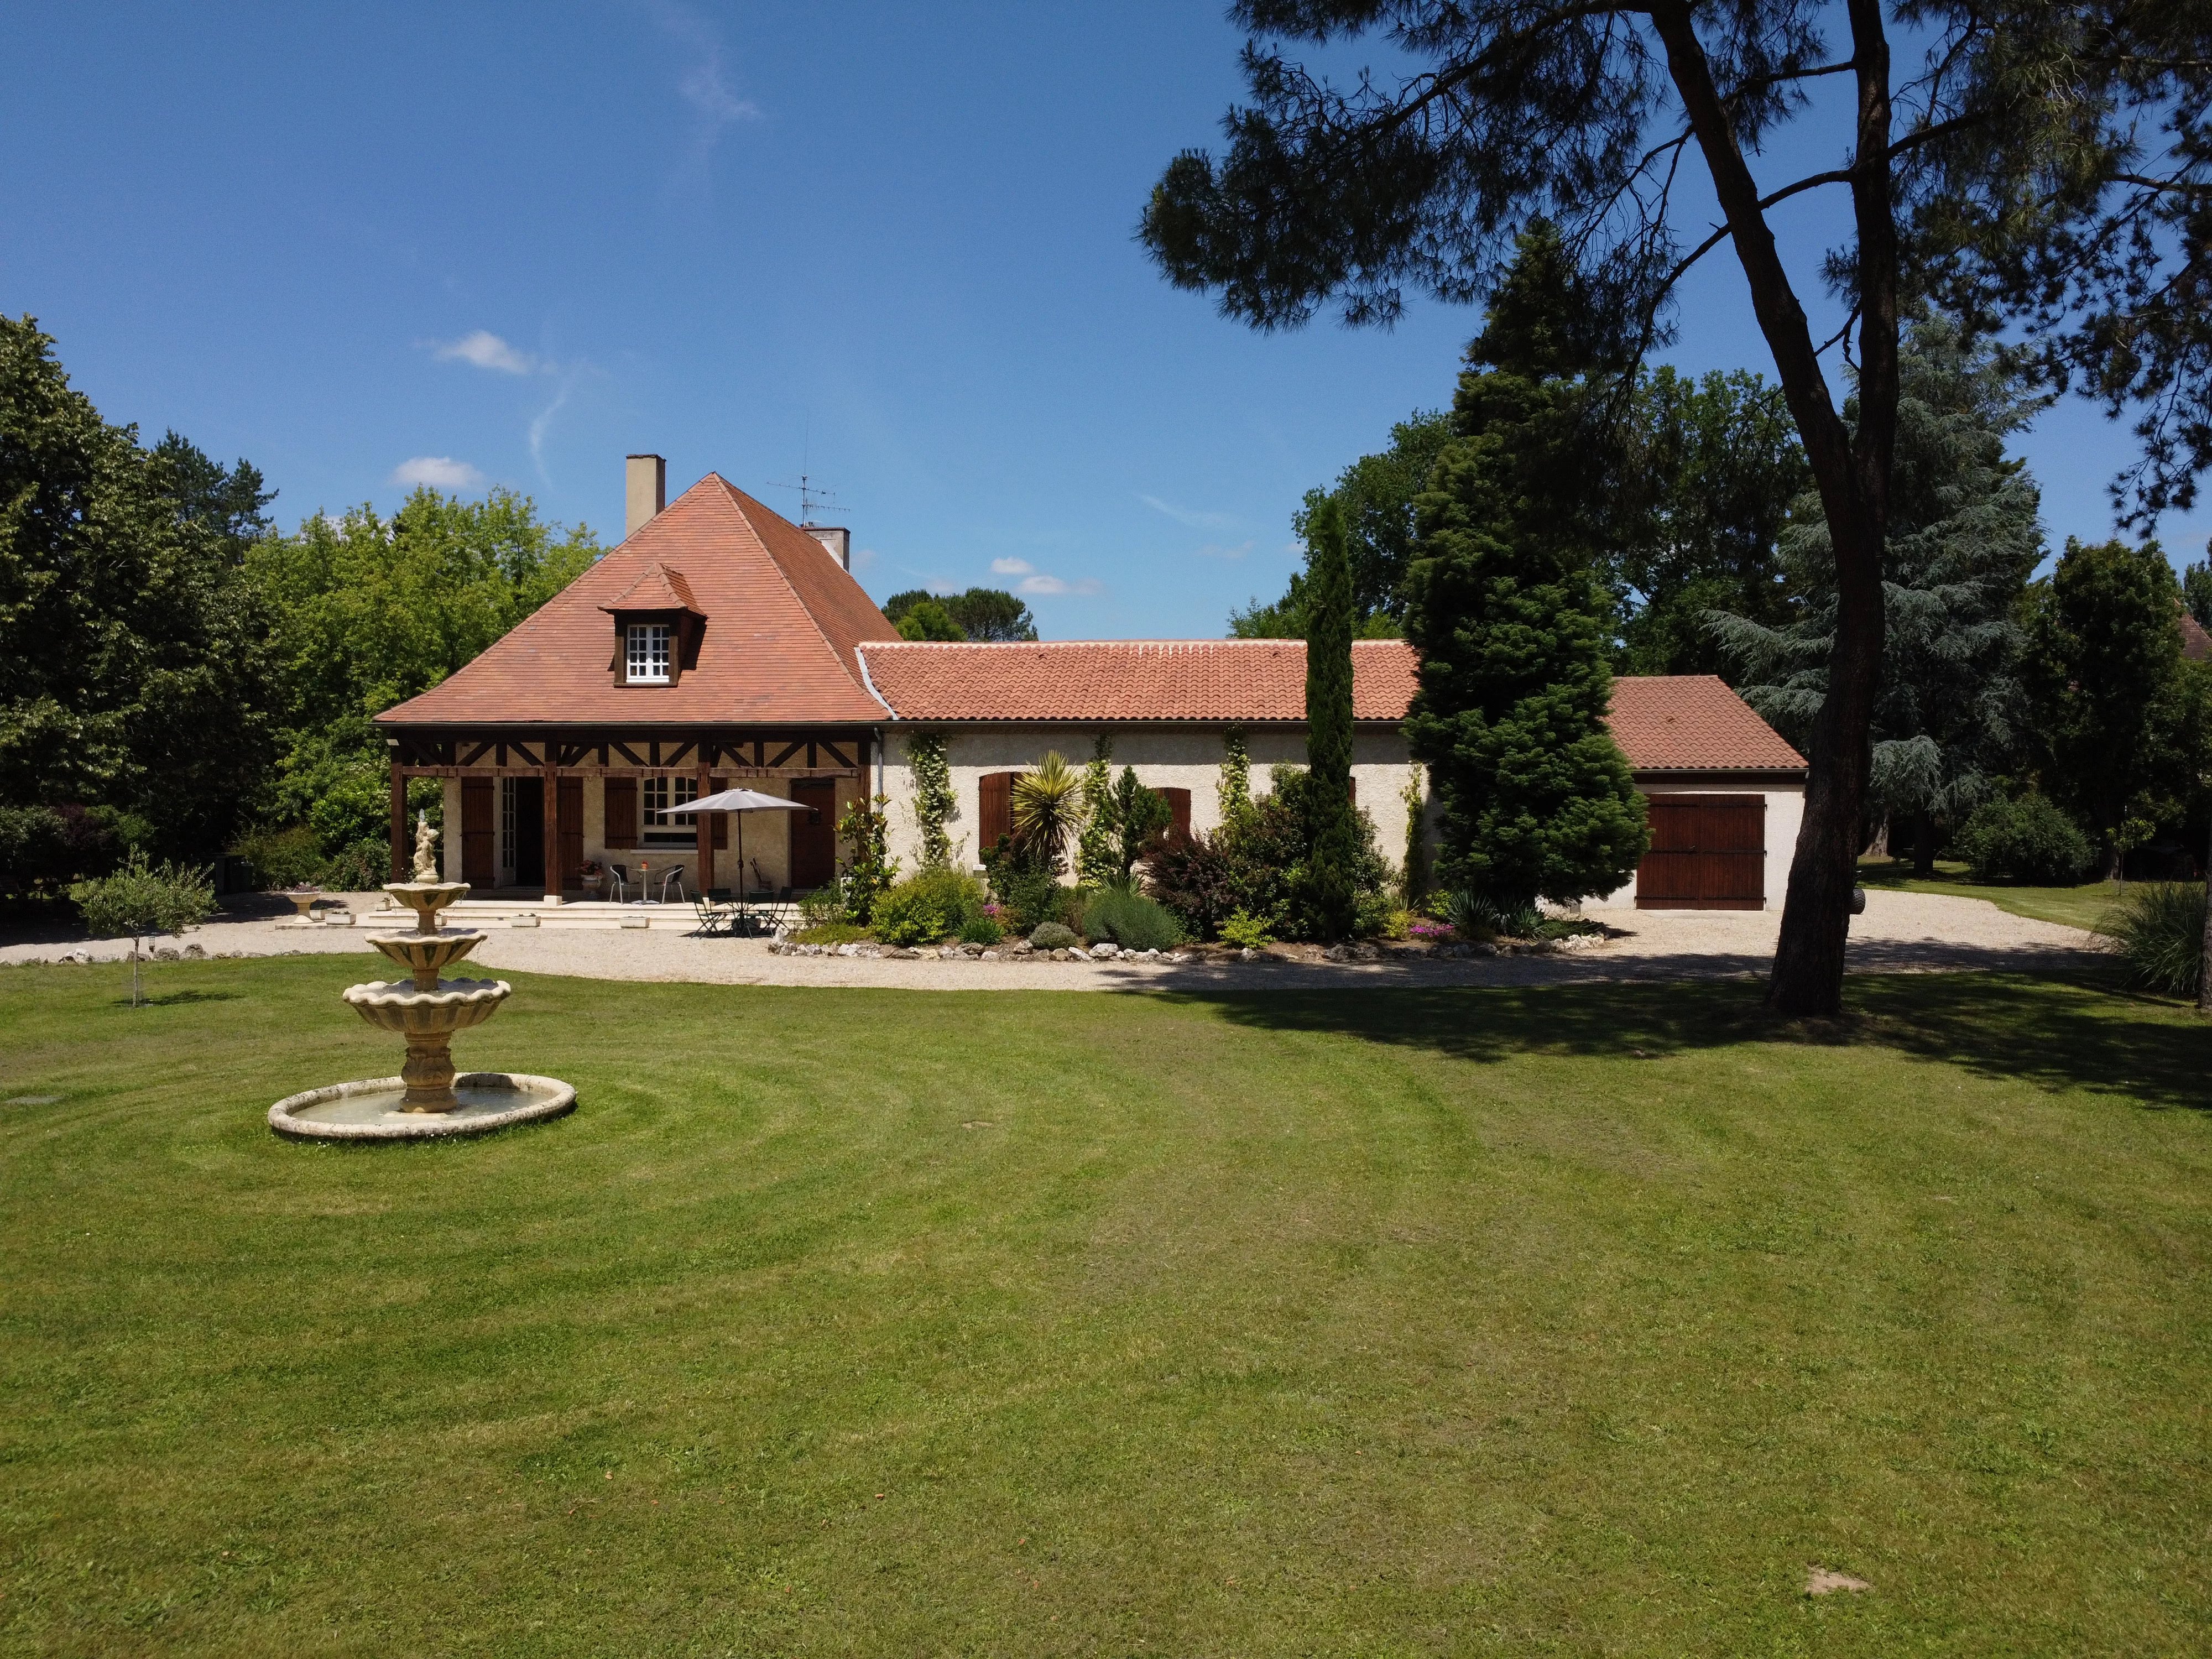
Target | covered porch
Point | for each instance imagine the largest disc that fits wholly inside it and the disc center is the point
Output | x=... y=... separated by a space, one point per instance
x=546 y=817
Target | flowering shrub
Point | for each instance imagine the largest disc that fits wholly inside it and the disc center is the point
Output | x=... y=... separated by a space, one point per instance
x=1428 y=932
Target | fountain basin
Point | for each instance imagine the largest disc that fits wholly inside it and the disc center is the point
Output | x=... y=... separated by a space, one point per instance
x=455 y=1005
x=372 y=1109
x=424 y=955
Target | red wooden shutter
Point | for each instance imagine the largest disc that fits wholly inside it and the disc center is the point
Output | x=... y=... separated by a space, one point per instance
x=721 y=821
x=477 y=847
x=568 y=802
x=620 y=824
x=1178 y=810
x=994 y=807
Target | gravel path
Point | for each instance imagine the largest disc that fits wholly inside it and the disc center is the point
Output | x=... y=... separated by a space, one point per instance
x=1899 y=932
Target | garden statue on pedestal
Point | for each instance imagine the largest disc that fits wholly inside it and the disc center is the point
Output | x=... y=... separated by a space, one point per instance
x=426 y=849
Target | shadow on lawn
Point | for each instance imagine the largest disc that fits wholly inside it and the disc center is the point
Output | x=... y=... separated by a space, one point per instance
x=2079 y=1031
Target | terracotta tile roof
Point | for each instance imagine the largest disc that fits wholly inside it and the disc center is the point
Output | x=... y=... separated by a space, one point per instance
x=2196 y=643
x=784 y=623
x=1251 y=680
x=659 y=589
x=1685 y=723
x=1694 y=723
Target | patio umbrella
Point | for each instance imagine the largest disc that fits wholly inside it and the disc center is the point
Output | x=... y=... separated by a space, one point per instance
x=741 y=801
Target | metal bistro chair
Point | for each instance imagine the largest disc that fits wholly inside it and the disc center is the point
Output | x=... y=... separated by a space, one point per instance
x=672 y=874
x=618 y=875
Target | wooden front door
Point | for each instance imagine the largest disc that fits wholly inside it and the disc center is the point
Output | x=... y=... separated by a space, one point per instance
x=569 y=794
x=529 y=842
x=814 y=832
x=1708 y=853
x=479 y=848
x=995 y=809
x=1178 y=810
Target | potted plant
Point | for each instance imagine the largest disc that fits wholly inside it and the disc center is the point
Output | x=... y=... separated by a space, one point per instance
x=595 y=876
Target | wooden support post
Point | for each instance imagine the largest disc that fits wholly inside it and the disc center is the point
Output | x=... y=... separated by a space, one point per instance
x=552 y=830
x=399 y=867
x=705 y=867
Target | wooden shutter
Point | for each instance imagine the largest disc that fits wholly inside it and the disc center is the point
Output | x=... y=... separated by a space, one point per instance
x=1178 y=802
x=478 y=852
x=1708 y=853
x=568 y=799
x=719 y=822
x=620 y=825
x=994 y=808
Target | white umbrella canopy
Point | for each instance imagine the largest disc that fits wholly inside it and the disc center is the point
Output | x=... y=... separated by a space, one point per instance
x=743 y=800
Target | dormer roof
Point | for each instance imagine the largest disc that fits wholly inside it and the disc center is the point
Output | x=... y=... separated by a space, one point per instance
x=659 y=589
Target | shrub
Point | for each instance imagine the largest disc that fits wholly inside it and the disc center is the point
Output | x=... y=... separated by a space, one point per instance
x=830 y=933
x=982 y=930
x=2158 y=928
x=1478 y=916
x=1130 y=920
x=1246 y=932
x=1193 y=876
x=925 y=908
x=44 y=848
x=2027 y=840
x=823 y=908
x=1029 y=890
x=141 y=899
x=869 y=868
x=1053 y=936
x=362 y=868
x=288 y=857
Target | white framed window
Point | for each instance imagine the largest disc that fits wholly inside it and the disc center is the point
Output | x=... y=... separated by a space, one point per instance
x=648 y=653
x=664 y=799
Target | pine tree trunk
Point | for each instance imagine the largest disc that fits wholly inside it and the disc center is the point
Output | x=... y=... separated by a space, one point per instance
x=1809 y=958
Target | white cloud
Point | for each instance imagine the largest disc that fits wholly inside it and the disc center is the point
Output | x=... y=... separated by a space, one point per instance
x=1189 y=518
x=1215 y=550
x=438 y=471
x=1054 y=586
x=486 y=351
x=702 y=84
x=863 y=557
x=542 y=422
x=1012 y=568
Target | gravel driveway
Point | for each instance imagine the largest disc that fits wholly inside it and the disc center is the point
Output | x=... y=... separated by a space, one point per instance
x=1899 y=932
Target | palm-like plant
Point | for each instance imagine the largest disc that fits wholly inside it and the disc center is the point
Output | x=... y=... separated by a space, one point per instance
x=1048 y=809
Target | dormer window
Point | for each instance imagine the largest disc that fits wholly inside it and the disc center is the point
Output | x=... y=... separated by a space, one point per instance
x=658 y=628
x=648 y=653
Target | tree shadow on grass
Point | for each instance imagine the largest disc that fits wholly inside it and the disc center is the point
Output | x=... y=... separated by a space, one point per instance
x=2080 y=1031
x=177 y=998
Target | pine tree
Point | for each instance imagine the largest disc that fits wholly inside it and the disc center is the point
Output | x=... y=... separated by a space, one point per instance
x=1332 y=835
x=1964 y=538
x=1507 y=614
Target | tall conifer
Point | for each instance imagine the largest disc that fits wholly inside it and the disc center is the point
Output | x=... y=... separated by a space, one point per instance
x=1506 y=612
x=1333 y=834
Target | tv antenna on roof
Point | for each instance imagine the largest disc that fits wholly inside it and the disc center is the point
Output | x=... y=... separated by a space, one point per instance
x=810 y=495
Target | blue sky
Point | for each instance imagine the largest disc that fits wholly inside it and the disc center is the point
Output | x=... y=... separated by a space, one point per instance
x=887 y=245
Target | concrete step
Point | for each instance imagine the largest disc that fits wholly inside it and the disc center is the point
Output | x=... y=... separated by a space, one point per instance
x=489 y=914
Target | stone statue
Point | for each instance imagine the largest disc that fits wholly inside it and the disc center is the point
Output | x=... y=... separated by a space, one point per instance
x=426 y=849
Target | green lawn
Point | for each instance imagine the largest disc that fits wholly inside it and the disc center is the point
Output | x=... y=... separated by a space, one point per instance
x=1577 y=1321
x=2076 y=906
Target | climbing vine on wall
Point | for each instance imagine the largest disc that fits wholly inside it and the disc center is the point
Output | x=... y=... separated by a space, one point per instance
x=932 y=798
x=1235 y=790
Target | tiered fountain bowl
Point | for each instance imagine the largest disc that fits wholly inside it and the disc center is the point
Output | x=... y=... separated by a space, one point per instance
x=426 y=1100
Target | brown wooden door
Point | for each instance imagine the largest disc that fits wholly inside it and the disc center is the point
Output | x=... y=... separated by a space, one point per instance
x=814 y=832
x=1178 y=810
x=479 y=850
x=1708 y=853
x=619 y=814
x=569 y=793
x=994 y=808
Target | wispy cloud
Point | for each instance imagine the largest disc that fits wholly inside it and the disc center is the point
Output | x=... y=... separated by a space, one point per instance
x=1215 y=550
x=1012 y=568
x=438 y=471
x=1055 y=586
x=542 y=422
x=702 y=84
x=486 y=351
x=1191 y=518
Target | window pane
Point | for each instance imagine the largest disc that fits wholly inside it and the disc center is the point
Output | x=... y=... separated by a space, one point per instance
x=647 y=655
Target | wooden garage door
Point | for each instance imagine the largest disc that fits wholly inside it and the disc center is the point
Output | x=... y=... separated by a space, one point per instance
x=1708 y=853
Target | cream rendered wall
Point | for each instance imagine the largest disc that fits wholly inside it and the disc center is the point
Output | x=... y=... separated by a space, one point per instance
x=1165 y=757
x=1785 y=812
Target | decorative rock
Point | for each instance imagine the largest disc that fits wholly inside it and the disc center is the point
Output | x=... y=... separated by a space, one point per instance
x=849 y=950
x=946 y=953
x=193 y=953
x=1061 y=956
x=1247 y=954
x=971 y=949
x=991 y=955
x=871 y=952
x=1105 y=952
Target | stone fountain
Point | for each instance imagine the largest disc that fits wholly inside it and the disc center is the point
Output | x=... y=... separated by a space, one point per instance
x=426 y=1100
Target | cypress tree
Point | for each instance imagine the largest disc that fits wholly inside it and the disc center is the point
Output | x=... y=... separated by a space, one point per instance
x=1333 y=837
x=1506 y=612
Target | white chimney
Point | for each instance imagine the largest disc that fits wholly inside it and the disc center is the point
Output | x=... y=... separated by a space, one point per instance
x=646 y=493
x=835 y=540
